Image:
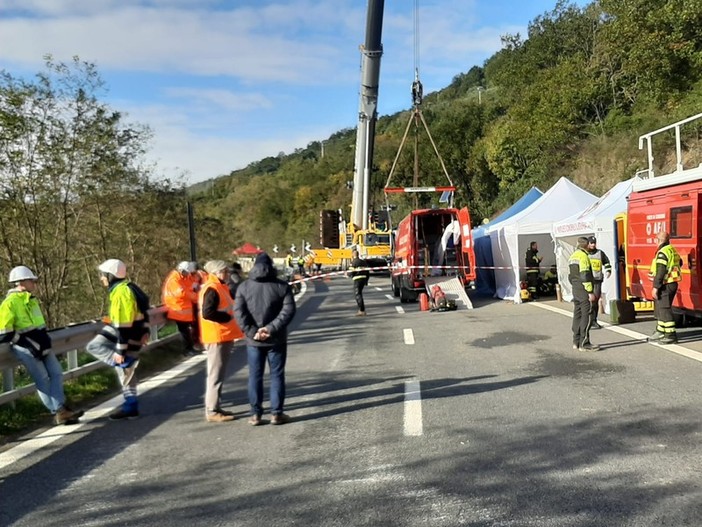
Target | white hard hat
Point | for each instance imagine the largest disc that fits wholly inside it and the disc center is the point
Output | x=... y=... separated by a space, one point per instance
x=20 y=273
x=187 y=267
x=115 y=267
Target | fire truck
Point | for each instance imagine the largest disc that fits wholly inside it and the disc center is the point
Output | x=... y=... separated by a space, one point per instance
x=432 y=243
x=670 y=202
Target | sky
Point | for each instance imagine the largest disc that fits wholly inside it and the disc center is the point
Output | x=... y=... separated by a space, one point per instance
x=223 y=83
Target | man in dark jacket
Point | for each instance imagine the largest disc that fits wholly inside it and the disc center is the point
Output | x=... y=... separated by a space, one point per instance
x=531 y=262
x=359 y=274
x=264 y=306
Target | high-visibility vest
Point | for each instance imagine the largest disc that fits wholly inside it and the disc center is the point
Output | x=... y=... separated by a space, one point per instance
x=580 y=270
x=216 y=332
x=179 y=296
x=20 y=312
x=124 y=312
x=671 y=259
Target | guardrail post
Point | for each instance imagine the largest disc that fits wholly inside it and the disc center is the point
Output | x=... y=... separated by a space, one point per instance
x=72 y=357
x=8 y=382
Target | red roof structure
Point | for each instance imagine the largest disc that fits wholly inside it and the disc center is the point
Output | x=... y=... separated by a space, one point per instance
x=248 y=249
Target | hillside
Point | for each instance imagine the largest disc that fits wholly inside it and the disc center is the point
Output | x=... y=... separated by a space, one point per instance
x=568 y=99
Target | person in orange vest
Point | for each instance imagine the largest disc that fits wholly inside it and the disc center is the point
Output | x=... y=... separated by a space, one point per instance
x=218 y=331
x=179 y=295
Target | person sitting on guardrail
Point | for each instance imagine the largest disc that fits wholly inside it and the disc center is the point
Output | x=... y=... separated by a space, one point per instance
x=120 y=340
x=179 y=295
x=22 y=323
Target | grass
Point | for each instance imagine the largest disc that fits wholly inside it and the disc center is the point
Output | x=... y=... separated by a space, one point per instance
x=29 y=413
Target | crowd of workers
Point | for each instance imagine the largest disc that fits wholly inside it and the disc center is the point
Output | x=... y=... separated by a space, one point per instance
x=213 y=308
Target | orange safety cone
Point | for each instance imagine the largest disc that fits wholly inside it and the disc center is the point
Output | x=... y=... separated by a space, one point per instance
x=423 y=302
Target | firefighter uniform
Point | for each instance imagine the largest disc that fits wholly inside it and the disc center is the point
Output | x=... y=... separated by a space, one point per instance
x=359 y=273
x=531 y=262
x=665 y=272
x=600 y=265
x=580 y=277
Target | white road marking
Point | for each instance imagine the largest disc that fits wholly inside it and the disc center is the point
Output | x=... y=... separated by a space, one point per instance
x=389 y=297
x=413 y=408
x=399 y=309
x=675 y=348
x=409 y=336
x=378 y=288
x=55 y=433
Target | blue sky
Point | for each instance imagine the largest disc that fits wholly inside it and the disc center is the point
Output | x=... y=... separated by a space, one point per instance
x=224 y=83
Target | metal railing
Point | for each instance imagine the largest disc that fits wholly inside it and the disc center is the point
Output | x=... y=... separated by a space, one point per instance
x=69 y=341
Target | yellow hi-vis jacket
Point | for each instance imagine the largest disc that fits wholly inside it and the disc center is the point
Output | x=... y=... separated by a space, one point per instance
x=125 y=317
x=21 y=320
x=580 y=270
x=665 y=268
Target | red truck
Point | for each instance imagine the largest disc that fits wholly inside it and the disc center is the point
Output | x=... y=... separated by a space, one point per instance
x=431 y=242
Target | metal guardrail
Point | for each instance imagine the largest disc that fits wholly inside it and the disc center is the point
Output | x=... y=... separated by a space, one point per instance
x=69 y=341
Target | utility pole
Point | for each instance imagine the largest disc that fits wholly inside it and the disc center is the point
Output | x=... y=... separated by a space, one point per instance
x=191 y=232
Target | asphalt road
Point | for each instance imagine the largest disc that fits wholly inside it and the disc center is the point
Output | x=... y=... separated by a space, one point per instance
x=484 y=417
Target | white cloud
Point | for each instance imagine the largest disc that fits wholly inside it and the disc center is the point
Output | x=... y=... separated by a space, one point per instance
x=221 y=99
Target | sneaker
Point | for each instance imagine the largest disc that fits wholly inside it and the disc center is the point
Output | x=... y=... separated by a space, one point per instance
x=361 y=314
x=255 y=420
x=219 y=417
x=122 y=414
x=280 y=419
x=575 y=346
x=589 y=347
x=657 y=335
x=65 y=416
x=595 y=325
x=668 y=340
x=191 y=352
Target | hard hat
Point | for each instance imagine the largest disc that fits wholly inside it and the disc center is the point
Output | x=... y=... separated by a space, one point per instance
x=187 y=267
x=592 y=239
x=20 y=273
x=115 y=267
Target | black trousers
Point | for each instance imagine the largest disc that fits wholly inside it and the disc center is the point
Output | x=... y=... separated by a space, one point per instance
x=582 y=309
x=358 y=286
x=533 y=283
x=187 y=330
x=597 y=290
x=663 y=308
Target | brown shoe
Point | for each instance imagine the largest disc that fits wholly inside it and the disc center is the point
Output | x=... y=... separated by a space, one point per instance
x=255 y=420
x=66 y=417
x=218 y=417
x=280 y=419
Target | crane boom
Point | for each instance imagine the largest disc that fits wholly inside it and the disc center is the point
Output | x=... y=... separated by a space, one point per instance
x=371 y=52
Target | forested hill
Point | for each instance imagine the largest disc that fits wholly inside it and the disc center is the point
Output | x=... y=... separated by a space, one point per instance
x=568 y=99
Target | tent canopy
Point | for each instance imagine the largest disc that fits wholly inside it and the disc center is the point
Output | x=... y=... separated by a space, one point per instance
x=512 y=237
x=484 y=262
x=248 y=249
x=597 y=220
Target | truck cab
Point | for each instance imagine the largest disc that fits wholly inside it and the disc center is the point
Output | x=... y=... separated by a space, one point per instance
x=431 y=242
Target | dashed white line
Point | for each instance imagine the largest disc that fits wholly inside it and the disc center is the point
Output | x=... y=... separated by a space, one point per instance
x=399 y=309
x=409 y=336
x=378 y=288
x=389 y=297
x=413 y=408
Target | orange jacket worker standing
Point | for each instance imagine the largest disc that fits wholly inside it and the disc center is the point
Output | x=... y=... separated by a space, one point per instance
x=179 y=295
x=218 y=331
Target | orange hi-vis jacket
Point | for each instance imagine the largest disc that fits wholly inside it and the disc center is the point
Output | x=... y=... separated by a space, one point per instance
x=179 y=295
x=216 y=332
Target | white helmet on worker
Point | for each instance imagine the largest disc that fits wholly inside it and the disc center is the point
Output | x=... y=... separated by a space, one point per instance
x=115 y=267
x=187 y=267
x=20 y=273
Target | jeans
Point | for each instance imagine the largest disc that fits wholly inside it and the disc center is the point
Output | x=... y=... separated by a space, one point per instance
x=47 y=375
x=257 y=357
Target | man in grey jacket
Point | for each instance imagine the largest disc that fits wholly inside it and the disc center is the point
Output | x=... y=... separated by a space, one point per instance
x=264 y=306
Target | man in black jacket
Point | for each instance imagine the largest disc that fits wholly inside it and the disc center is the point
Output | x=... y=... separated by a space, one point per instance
x=359 y=274
x=264 y=306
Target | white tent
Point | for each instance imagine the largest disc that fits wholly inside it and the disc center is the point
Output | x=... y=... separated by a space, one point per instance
x=510 y=239
x=597 y=220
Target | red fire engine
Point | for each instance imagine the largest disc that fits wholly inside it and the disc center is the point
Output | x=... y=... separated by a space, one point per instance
x=670 y=202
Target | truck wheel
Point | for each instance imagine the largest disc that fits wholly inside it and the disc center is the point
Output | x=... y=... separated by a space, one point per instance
x=394 y=287
x=404 y=295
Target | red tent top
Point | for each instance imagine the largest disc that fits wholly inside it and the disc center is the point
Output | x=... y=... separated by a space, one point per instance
x=248 y=249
